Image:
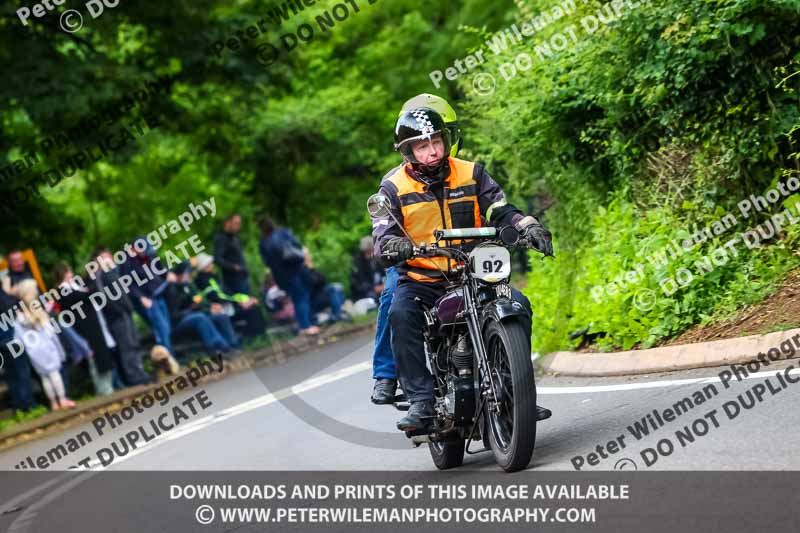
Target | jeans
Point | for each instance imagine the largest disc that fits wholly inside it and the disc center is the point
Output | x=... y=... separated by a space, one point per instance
x=298 y=292
x=382 y=358
x=407 y=322
x=18 y=378
x=332 y=296
x=225 y=327
x=204 y=327
x=158 y=317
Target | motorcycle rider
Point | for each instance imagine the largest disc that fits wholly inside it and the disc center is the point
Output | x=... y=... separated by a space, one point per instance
x=383 y=368
x=431 y=191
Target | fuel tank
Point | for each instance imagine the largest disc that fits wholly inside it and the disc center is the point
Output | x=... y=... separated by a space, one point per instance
x=449 y=305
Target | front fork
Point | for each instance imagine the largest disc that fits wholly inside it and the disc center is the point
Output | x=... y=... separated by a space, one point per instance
x=488 y=386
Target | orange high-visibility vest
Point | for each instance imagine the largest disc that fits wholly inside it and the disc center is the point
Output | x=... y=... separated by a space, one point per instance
x=423 y=213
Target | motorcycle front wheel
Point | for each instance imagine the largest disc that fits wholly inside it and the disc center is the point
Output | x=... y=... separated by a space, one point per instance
x=512 y=430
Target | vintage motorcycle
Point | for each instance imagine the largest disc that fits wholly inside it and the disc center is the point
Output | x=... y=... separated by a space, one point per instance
x=478 y=350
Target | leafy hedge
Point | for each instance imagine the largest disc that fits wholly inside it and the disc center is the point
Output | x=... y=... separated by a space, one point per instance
x=644 y=131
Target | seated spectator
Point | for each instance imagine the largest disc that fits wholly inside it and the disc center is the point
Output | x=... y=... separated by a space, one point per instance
x=283 y=255
x=17 y=368
x=92 y=327
x=148 y=298
x=33 y=330
x=277 y=301
x=118 y=314
x=323 y=295
x=186 y=314
x=240 y=306
x=18 y=270
x=366 y=277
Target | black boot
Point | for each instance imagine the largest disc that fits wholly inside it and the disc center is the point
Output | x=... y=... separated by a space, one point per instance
x=384 y=391
x=420 y=416
x=543 y=413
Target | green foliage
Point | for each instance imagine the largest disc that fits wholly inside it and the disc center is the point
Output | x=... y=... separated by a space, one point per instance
x=663 y=119
x=652 y=126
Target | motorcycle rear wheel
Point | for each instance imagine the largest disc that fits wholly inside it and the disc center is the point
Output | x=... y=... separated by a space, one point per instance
x=447 y=454
x=512 y=432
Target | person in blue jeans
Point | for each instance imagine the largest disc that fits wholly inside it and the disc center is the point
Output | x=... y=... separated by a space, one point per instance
x=383 y=368
x=148 y=298
x=187 y=308
x=283 y=254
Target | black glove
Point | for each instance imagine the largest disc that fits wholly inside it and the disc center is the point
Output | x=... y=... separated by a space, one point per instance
x=536 y=235
x=397 y=249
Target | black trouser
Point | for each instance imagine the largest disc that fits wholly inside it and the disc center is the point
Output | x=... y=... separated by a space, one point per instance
x=124 y=332
x=407 y=322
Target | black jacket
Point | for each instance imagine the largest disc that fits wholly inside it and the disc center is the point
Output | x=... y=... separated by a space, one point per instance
x=180 y=301
x=115 y=309
x=227 y=254
x=89 y=328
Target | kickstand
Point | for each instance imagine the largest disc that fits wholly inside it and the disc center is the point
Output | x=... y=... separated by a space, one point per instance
x=472 y=431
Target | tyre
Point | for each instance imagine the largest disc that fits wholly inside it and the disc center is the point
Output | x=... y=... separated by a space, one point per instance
x=512 y=431
x=447 y=454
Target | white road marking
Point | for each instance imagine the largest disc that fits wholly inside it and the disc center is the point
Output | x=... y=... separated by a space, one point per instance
x=336 y=375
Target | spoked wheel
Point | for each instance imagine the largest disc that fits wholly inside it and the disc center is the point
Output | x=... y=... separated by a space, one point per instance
x=447 y=454
x=512 y=430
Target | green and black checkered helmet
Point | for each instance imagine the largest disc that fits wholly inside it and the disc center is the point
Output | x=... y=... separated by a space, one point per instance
x=448 y=114
x=420 y=124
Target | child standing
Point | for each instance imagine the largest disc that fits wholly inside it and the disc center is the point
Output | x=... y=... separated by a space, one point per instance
x=34 y=331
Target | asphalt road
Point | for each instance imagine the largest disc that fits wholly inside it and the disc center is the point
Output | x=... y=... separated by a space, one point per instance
x=254 y=422
x=312 y=413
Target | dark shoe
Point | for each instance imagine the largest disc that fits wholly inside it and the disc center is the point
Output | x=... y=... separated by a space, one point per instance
x=420 y=416
x=543 y=413
x=384 y=391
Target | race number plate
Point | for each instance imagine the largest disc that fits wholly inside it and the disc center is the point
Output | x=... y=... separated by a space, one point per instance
x=491 y=263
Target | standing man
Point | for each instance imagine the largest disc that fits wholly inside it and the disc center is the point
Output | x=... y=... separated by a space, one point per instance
x=383 y=367
x=17 y=368
x=283 y=254
x=17 y=269
x=229 y=255
x=119 y=317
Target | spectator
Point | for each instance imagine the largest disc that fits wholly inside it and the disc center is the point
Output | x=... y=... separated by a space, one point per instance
x=148 y=297
x=277 y=301
x=17 y=369
x=119 y=317
x=18 y=270
x=240 y=306
x=323 y=295
x=366 y=277
x=229 y=256
x=284 y=256
x=33 y=330
x=75 y=293
x=185 y=304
